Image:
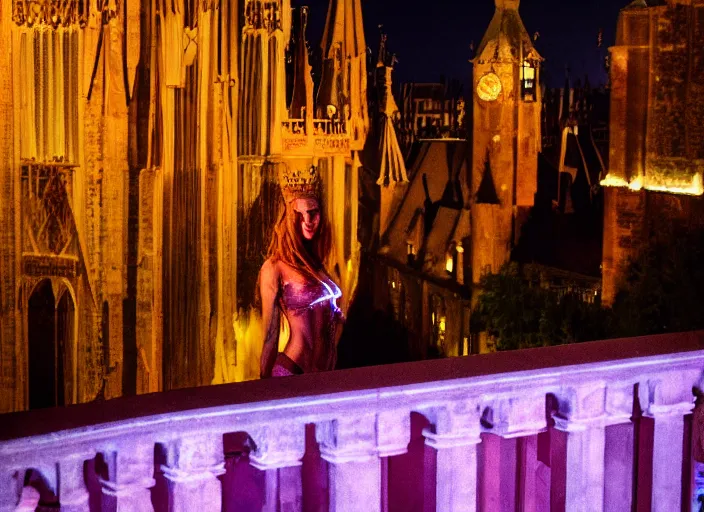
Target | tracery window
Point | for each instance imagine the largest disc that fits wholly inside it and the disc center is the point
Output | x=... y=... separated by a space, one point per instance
x=48 y=90
x=48 y=223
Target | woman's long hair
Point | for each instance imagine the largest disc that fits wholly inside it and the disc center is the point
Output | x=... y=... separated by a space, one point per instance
x=288 y=245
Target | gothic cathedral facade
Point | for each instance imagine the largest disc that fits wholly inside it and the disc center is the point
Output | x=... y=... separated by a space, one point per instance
x=138 y=153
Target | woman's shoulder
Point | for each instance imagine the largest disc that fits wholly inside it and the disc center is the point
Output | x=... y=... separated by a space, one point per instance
x=271 y=269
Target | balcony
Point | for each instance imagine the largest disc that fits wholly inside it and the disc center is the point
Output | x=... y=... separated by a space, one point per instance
x=597 y=426
x=324 y=137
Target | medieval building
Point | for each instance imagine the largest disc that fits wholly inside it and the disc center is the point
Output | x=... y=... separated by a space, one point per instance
x=461 y=212
x=656 y=146
x=431 y=111
x=140 y=150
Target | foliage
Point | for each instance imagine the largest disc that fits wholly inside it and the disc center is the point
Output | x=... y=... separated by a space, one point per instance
x=517 y=312
x=663 y=288
x=662 y=291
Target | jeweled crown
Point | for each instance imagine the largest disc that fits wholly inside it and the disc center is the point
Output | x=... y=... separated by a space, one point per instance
x=300 y=184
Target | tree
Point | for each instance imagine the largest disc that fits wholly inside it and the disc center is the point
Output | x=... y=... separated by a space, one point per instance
x=517 y=312
x=663 y=288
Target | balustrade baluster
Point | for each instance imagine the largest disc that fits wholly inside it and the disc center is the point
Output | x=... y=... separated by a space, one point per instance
x=352 y=445
x=667 y=400
x=349 y=445
x=455 y=437
x=72 y=491
x=618 y=447
x=512 y=417
x=8 y=490
x=193 y=465
x=130 y=476
x=578 y=449
x=279 y=450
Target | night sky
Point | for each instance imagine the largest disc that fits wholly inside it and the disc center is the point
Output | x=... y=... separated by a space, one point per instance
x=432 y=37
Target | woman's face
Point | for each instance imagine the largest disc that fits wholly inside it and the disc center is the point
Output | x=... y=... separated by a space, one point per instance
x=307 y=213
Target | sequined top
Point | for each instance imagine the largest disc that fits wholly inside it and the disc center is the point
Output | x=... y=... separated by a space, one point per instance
x=297 y=297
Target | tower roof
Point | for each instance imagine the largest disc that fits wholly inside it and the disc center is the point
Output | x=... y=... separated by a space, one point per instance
x=393 y=167
x=302 y=80
x=506 y=36
x=636 y=4
x=344 y=26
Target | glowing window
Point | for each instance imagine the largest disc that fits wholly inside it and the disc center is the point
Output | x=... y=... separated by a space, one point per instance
x=528 y=81
x=449 y=264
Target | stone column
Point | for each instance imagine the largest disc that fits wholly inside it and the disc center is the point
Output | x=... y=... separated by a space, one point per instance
x=279 y=450
x=579 y=453
x=194 y=463
x=28 y=500
x=130 y=471
x=393 y=433
x=72 y=491
x=517 y=419
x=669 y=398
x=9 y=490
x=618 y=447
x=455 y=437
x=349 y=444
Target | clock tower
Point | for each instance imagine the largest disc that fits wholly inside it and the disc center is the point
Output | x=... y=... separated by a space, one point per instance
x=506 y=137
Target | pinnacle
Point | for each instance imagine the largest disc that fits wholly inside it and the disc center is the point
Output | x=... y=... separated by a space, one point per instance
x=507 y=4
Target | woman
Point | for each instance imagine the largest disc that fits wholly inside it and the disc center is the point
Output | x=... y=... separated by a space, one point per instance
x=293 y=281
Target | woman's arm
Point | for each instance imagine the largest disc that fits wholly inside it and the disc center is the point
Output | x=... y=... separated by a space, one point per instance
x=269 y=290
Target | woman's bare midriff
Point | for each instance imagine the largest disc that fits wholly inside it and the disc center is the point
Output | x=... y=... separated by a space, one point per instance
x=299 y=347
x=305 y=325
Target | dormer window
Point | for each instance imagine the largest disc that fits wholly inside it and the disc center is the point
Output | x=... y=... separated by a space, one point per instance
x=528 y=81
x=451 y=259
x=449 y=264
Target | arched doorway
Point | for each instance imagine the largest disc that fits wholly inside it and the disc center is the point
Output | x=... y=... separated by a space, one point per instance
x=41 y=337
x=50 y=335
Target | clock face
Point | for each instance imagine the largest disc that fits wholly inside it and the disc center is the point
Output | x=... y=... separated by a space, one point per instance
x=489 y=87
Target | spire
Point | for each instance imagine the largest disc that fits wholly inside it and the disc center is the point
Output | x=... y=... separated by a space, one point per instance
x=393 y=168
x=302 y=96
x=381 y=57
x=566 y=98
x=636 y=4
x=344 y=25
x=344 y=81
x=506 y=38
x=507 y=4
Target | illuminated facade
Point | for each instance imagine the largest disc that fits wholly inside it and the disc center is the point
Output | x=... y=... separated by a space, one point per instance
x=327 y=132
x=656 y=156
x=138 y=145
x=431 y=111
x=506 y=138
x=462 y=210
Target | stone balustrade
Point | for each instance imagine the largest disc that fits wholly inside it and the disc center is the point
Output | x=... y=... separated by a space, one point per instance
x=589 y=427
x=321 y=127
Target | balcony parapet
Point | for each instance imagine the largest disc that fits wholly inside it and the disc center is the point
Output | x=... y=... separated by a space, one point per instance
x=363 y=415
x=318 y=137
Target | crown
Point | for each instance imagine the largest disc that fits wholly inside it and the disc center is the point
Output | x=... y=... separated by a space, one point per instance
x=300 y=184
